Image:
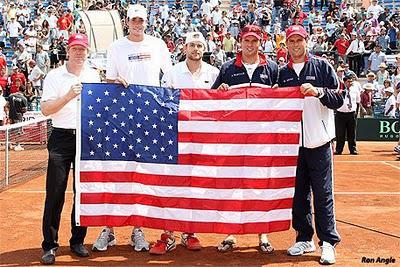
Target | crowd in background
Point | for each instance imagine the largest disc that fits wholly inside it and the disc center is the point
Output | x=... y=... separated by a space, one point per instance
x=356 y=40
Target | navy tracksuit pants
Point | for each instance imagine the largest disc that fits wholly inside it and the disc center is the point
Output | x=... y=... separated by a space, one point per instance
x=314 y=174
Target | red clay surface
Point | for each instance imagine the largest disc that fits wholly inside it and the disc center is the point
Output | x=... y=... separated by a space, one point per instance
x=367 y=193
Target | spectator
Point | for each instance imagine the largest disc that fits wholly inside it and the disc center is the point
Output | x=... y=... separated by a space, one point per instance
x=369 y=46
x=382 y=75
x=36 y=77
x=383 y=40
x=3 y=36
x=17 y=106
x=16 y=75
x=354 y=53
x=14 y=29
x=390 y=104
x=366 y=100
x=30 y=95
x=376 y=59
x=341 y=45
x=375 y=9
x=229 y=45
x=42 y=59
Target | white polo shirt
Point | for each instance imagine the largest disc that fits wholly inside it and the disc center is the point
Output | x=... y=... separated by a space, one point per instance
x=181 y=77
x=138 y=62
x=391 y=101
x=57 y=84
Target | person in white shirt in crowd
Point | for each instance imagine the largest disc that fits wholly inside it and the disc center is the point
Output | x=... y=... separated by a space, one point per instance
x=346 y=117
x=36 y=77
x=134 y=59
x=354 y=53
x=210 y=44
x=375 y=9
x=14 y=30
x=52 y=20
x=164 y=11
x=390 y=104
x=376 y=59
x=191 y=73
x=42 y=59
x=382 y=75
x=371 y=79
x=206 y=8
x=216 y=16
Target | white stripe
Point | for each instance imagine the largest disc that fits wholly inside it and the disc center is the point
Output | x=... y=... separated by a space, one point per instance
x=188 y=170
x=186 y=215
x=238 y=127
x=188 y=192
x=237 y=86
x=242 y=104
x=238 y=149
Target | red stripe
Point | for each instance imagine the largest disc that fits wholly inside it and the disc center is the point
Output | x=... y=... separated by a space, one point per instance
x=183 y=181
x=184 y=226
x=250 y=161
x=186 y=203
x=239 y=138
x=240 y=115
x=240 y=93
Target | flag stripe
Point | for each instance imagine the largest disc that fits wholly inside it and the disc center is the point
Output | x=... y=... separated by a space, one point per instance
x=242 y=93
x=188 y=192
x=187 y=226
x=240 y=115
x=182 y=181
x=188 y=170
x=238 y=149
x=186 y=214
x=252 y=161
x=239 y=138
x=241 y=104
x=238 y=127
x=186 y=203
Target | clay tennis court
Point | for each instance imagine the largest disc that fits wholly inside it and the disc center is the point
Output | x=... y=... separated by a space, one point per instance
x=367 y=194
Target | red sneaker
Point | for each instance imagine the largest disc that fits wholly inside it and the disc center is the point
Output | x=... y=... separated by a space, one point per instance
x=190 y=241
x=167 y=243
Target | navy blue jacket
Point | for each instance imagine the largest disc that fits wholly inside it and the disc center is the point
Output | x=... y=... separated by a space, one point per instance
x=234 y=73
x=317 y=72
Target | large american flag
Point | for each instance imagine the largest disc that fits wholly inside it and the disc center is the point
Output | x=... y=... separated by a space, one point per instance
x=191 y=160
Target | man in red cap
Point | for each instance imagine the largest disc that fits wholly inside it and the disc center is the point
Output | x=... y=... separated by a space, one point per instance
x=59 y=101
x=318 y=82
x=249 y=68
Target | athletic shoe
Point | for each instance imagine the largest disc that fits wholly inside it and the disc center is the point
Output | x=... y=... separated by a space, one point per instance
x=397 y=149
x=138 y=242
x=299 y=248
x=327 y=254
x=18 y=148
x=266 y=248
x=190 y=241
x=227 y=245
x=106 y=239
x=164 y=245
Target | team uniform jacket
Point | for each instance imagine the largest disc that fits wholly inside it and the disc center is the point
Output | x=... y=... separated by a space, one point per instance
x=234 y=73
x=318 y=125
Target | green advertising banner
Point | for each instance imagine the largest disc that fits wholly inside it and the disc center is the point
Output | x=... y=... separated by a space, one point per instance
x=378 y=129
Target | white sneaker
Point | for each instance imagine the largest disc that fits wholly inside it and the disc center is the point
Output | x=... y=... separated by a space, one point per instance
x=19 y=148
x=301 y=247
x=106 y=239
x=327 y=254
x=138 y=242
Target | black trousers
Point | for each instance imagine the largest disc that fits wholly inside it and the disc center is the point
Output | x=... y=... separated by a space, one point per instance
x=61 y=148
x=355 y=63
x=345 y=124
x=314 y=173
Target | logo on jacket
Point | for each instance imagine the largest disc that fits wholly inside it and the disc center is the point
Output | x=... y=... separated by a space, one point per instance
x=238 y=74
x=264 y=76
x=312 y=78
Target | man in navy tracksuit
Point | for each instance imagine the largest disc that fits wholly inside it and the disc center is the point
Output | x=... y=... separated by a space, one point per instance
x=249 y=68
x=318 y=81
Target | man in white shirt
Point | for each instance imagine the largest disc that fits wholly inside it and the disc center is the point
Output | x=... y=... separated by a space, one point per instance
x=191 y=73
x=59 y=101
x=375 y=9
x=14 y=30
x=216 y=16
x=36 y=76
x=390 y=104
x=354 y=53
x=346 y=116
x=376 y=58
x=134 y=59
